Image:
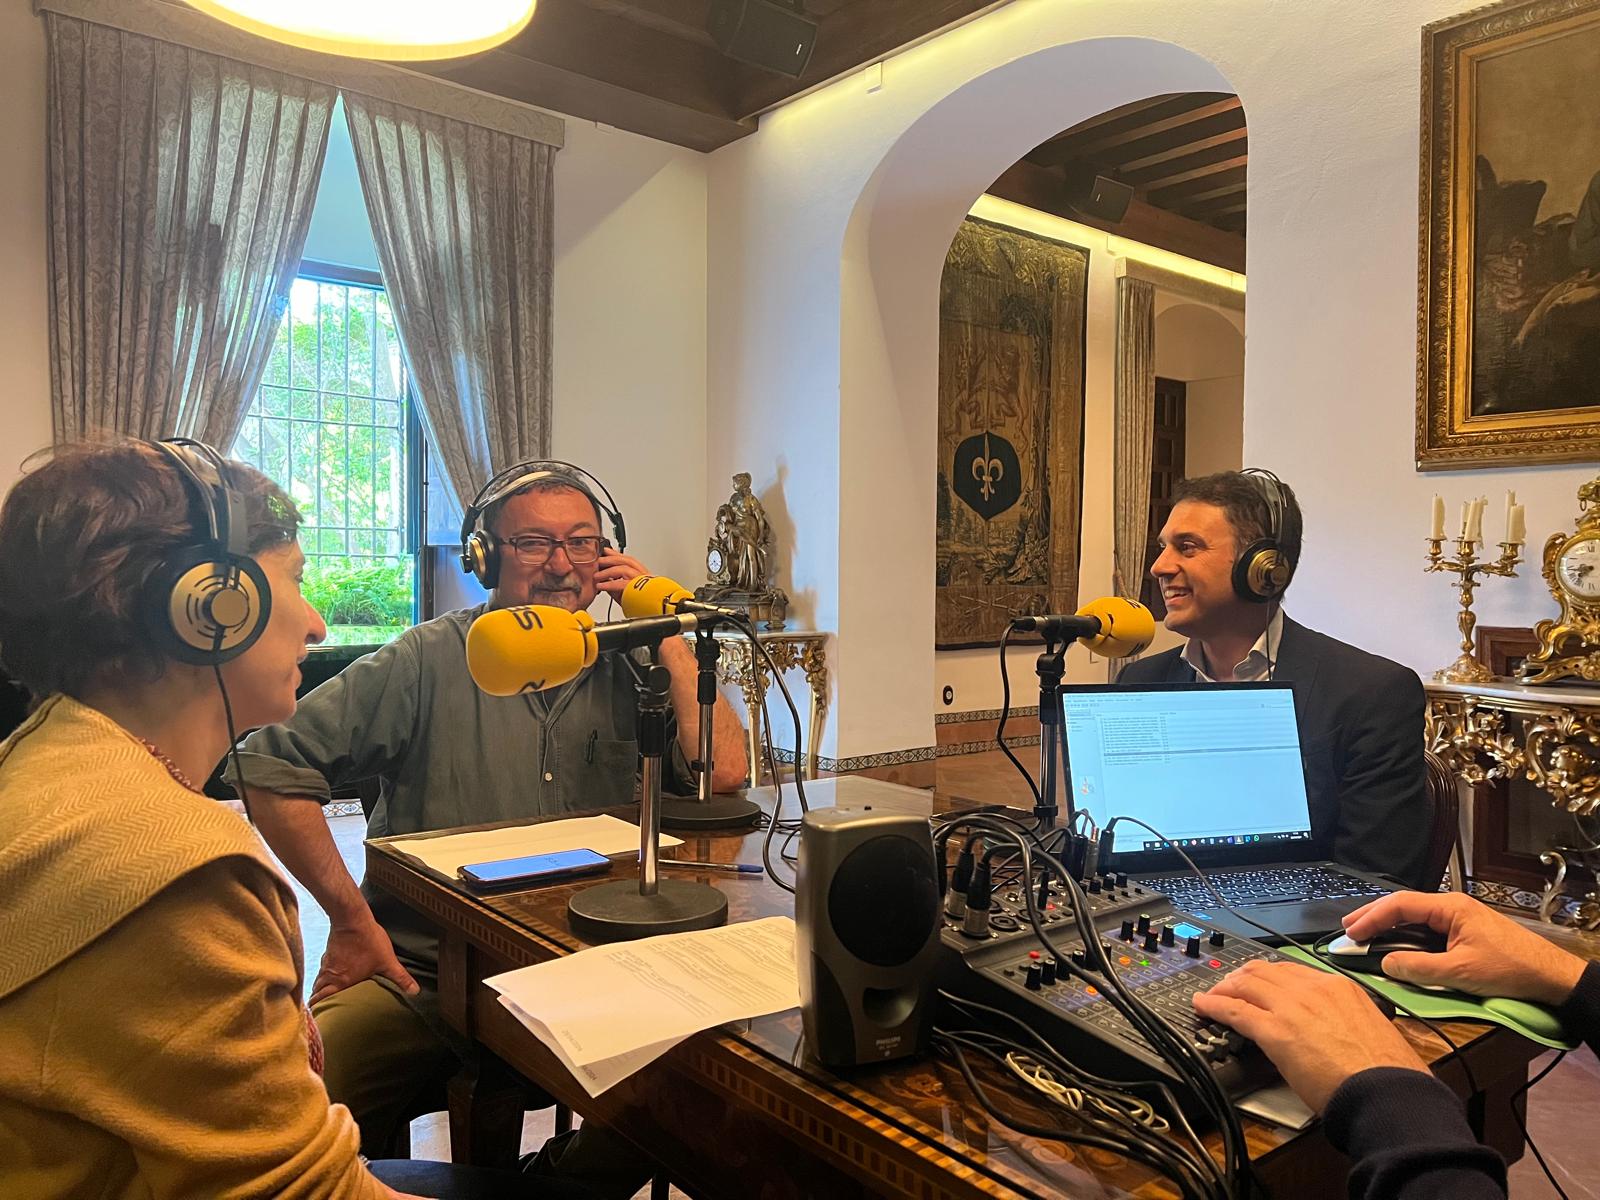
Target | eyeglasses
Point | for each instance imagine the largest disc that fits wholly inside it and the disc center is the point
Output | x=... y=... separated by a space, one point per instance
x=532 y=550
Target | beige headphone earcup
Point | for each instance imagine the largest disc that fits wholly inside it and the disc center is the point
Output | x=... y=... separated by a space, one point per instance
x=213 y=611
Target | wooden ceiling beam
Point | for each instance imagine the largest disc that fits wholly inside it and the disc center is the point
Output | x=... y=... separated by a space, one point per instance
x=1132 y=116
x=1217 y=206
x=595 y=65
x=685 y=19
x=1043 y=188
x=853 y=36
x=1200 y=120
x=1195 y=189
x=1197 y=167
x=1237 y=138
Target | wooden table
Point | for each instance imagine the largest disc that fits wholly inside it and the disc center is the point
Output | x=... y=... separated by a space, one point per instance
x=745 y=1112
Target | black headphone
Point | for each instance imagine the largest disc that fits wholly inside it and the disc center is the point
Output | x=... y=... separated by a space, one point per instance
x=208 y=601
x=480 y=549
x=1262 y=571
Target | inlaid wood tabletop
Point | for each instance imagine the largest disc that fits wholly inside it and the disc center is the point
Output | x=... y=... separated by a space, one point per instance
x=745 y=1111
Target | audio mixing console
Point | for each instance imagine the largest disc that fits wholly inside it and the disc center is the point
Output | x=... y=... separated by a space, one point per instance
x=1161 y=954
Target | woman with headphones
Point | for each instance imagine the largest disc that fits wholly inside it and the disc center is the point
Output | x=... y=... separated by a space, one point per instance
x=152 y=1036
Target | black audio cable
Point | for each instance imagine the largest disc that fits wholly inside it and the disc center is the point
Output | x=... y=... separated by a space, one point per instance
x=1176 y=1049
x=790 y=828
x=1130 y=1142
x=1179 y=1162
x=1183 y=1057
x=1005 y=713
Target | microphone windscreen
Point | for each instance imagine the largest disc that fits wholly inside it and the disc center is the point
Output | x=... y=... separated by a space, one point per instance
x=529 y=648
x=652 y=596
x=1126 y=626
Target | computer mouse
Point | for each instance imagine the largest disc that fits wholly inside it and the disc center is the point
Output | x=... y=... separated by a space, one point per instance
x=1368 y=956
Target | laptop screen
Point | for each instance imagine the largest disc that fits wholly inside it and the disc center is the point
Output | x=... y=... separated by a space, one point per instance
x=1215 y=768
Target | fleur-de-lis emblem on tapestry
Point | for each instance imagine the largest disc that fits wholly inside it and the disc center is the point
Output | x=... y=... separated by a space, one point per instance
x=986 y=474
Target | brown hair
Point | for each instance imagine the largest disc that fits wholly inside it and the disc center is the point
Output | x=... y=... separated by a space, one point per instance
x=81 y=535
x=1242 y=498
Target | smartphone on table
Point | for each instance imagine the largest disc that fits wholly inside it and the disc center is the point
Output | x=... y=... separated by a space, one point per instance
x=533 y=869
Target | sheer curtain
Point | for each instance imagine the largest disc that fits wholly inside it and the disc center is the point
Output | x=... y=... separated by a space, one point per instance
x=180 y=187
x=462 y=216
x=1135 y=423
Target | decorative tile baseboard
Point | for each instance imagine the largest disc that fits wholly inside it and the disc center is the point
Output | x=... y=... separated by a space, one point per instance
x=1507 y=896
x=894 y=758
x=888 y=758
x=342 y=808
x=983 y=714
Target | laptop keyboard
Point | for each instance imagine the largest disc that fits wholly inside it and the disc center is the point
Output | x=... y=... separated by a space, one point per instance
x=1271 y=885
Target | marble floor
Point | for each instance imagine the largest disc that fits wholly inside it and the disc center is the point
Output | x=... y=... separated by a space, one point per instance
x=1572 y=1089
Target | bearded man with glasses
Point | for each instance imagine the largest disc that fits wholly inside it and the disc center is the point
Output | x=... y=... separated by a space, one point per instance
x=446 y=754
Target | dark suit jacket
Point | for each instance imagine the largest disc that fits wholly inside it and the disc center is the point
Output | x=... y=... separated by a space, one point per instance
x=1361 y=737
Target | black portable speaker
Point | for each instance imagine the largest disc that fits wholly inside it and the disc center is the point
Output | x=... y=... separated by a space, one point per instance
x=867 y=914
x=764 y=33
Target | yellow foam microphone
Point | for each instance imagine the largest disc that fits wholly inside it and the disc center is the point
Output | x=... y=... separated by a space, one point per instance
x=1110 y=626
x=656 y=596
x=530 y=648
x=653 y=596
x=1126 y=626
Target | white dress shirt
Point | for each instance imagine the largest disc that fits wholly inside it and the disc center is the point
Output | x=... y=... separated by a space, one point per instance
x=1256 y=666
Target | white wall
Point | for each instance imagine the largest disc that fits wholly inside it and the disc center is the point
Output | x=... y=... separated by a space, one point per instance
x=630 y=336
x=1214 y=425
x=829 y=228
x=24 y=312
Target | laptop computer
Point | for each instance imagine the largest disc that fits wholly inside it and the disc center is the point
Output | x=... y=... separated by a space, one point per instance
x=1215 y=769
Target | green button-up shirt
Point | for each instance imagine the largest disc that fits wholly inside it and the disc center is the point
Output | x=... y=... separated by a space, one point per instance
x=446 y=754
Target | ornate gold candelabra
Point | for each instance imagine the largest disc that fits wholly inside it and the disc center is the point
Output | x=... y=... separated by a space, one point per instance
x=1468 y=668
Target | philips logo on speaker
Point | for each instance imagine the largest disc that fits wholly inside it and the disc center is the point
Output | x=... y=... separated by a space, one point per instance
x=888 y=1046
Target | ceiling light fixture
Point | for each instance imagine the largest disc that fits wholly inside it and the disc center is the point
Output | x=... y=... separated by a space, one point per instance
x=396 y=30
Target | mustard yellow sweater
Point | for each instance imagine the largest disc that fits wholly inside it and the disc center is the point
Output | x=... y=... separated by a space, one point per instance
x=151 y=1038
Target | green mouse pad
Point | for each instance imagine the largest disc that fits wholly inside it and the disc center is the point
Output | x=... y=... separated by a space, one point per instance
x=1533 y=1021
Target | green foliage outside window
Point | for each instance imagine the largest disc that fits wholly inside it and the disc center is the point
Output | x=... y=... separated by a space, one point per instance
x=329 y=425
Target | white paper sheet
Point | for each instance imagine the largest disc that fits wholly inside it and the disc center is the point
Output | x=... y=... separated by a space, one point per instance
x=603 y=835
x=609 y=1010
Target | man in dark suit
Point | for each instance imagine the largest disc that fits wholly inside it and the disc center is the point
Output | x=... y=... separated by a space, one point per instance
x=1228 y=551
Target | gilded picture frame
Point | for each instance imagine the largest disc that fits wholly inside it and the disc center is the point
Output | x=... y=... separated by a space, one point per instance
x=1508 y=364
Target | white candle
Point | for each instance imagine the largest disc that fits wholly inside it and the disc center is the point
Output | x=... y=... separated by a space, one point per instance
x=1438 y=517
x=1466 y=516
x=1511 y=500
x=1475 y=522
x=1518 y=530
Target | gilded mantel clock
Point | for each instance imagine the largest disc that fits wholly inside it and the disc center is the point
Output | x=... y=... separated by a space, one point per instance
x=1569 y=646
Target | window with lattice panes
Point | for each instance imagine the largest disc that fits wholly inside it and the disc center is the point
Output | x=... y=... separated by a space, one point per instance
x=334 y=425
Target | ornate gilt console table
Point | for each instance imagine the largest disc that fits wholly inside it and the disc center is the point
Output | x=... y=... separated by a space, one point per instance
x=1491 y=734
x=802 y=650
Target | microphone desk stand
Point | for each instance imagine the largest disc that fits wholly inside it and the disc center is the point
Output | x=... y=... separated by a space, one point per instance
x=708 y=810
x=1054 y=765
x=623 y=910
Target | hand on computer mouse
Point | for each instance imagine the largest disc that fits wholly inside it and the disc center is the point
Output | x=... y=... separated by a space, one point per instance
x=1317 y=1028
x=1486 y=954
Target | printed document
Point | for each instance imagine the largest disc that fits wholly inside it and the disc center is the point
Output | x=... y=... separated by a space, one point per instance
x=607 y=1011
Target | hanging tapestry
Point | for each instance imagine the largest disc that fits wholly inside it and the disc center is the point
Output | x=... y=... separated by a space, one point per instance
x=1011 y=336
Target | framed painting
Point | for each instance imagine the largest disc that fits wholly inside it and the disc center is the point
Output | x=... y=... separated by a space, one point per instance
x=1502 y=648
x=1508 y=366
x=1011 y=351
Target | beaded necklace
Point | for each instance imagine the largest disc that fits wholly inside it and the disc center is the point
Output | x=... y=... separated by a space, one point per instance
x=172 y=768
